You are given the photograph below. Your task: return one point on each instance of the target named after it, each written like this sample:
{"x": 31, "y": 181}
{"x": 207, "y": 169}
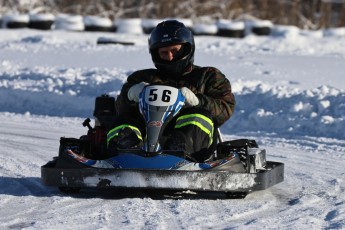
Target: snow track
{"x": 312, "y": 194}
{"x": 290, "y": 98}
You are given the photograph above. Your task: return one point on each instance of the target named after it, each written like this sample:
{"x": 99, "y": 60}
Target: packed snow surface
{"x": 290, "y": 92}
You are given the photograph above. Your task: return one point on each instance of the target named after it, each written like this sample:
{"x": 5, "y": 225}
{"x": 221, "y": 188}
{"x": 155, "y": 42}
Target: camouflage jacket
{"x": 211, "y": 87}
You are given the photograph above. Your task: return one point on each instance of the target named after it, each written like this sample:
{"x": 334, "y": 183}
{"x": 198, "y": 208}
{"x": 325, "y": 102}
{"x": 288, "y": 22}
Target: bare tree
{"x": 302, "y": 13}
{"x": 341, "y": 22}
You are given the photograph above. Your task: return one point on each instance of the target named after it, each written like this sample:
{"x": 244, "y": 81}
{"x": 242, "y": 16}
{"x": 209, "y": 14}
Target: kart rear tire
{"x": 69, "y": 190}
{"x": 236, "y": 195}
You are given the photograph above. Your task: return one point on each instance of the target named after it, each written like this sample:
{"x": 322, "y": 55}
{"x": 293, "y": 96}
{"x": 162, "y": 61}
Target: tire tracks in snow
{"x": 312, "y": 194}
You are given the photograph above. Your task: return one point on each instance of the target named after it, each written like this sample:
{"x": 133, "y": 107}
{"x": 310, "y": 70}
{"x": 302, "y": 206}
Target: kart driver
{"x": 209, "y": 101}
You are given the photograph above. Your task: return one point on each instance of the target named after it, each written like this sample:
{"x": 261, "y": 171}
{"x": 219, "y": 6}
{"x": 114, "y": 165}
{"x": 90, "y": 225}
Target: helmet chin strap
{"x": 172, "y": 73}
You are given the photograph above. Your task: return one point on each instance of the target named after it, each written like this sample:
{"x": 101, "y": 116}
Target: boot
{"x": 128, "y": 139}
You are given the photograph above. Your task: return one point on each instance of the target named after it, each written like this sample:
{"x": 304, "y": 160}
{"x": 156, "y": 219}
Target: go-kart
{"x": 236, "y": 167}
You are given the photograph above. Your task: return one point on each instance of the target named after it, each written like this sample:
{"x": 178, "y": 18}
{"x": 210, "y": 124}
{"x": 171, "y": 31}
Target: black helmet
{"x": 167, "y": 33}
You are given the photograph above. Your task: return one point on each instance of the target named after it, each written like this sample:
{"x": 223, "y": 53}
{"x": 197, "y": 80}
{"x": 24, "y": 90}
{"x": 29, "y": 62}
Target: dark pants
{"x": 193, "y": 130}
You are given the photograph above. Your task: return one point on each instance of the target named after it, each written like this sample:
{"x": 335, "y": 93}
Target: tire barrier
{"x": 221, "y": 27}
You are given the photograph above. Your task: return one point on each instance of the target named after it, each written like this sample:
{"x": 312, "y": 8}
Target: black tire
{"x": 69, "y": 190}
{"x": 236, "y": 195}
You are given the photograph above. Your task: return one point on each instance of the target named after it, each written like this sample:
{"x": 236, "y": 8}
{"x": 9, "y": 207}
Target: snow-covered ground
{"x": 290, "y": 93}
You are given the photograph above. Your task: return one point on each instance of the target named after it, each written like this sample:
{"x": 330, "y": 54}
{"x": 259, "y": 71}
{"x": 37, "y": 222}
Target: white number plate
{"x": 160, "y": 95}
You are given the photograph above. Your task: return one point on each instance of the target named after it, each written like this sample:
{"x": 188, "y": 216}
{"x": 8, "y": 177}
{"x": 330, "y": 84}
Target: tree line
{"x": 306, "y": 14}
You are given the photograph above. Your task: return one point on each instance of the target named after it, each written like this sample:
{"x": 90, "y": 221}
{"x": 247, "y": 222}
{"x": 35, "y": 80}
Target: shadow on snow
{"x": 32, "y": 186}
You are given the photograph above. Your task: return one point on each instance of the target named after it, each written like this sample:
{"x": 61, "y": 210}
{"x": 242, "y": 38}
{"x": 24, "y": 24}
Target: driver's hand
{"x": 135, "y": 90}
{"x": 191, "y": 98}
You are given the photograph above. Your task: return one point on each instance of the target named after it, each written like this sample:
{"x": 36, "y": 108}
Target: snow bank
{"x": 335, "y": 32}
{"x": 279, "y": 109}
{"x": 260, "y": 107}
{"x": 67, "y": 72}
